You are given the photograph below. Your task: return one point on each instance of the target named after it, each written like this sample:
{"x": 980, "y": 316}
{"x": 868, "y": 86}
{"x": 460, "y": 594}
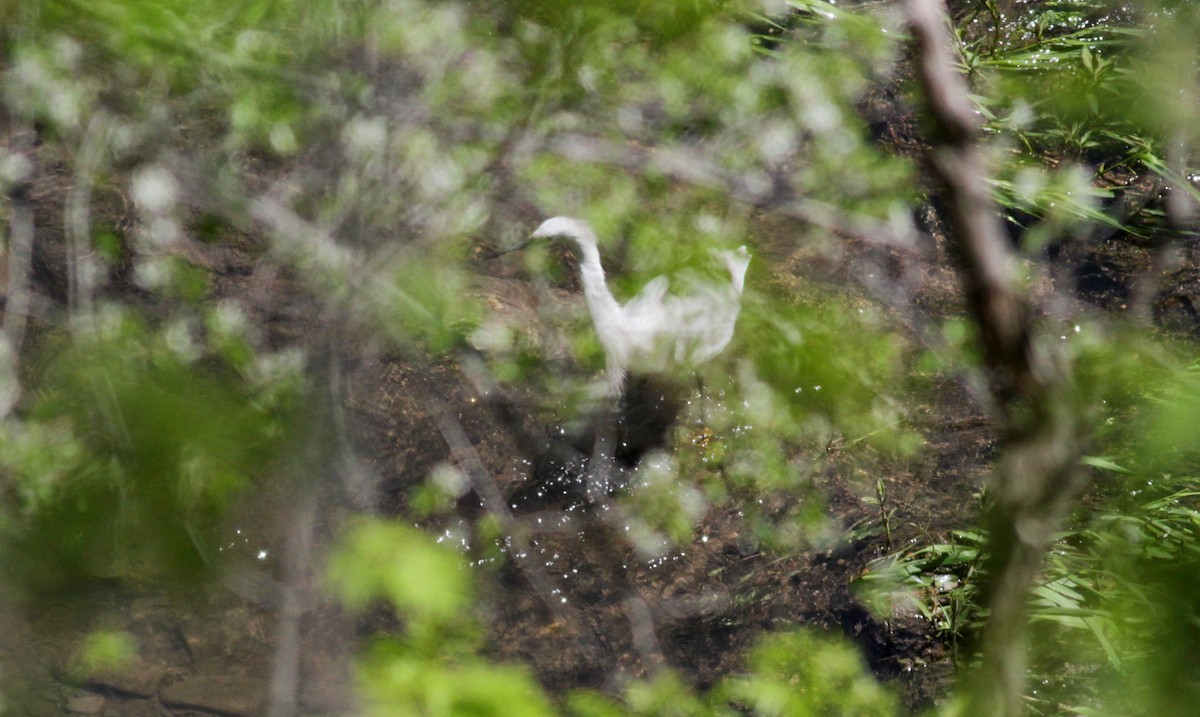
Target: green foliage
{"x": 663, "y": 509}
{"x": 104, "y": 651}
{"x": 429, "y": 670}
{"x": 249, "y": 56}
{"x": 1102, "y": 83}
{"x": 1115, "y": 597}
{"x": 796, "y": 674}
{"x": 395, "y": 682}
{"x": 832, "y": 362}
{"x": 800, "y": 674}
{"x": 1060, "y": 200}
{"x": 940, "y": 581}
{"x": 665, "y": 695}
{"x": 130, "y": 452}
{"x": 1078, "y": 49}
{"x": 1120, "y": 589}
{"x": 425, "y": 301}
{"x": 383, "y": 561}
{"x": 1165, "y": 438}
{"x": 378, "y": 143}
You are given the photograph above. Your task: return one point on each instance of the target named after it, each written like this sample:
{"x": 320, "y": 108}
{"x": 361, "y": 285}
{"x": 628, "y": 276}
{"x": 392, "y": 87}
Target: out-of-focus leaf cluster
{"x": 132, "y": 441}
{"x": 1116, "y": 595}
{"x": 376, "y": 142}
{"x": 422, "y": 671}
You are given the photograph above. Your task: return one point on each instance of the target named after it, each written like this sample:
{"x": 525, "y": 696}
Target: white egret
{"x": 653, "y": 329}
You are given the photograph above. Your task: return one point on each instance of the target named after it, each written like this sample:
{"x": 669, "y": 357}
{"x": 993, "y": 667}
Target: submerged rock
{"x": 86, "y": 704}
{"x": 235, "y": 695}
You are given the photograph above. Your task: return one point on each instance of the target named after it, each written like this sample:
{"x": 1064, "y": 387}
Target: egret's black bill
{"x": 510, "y": 250}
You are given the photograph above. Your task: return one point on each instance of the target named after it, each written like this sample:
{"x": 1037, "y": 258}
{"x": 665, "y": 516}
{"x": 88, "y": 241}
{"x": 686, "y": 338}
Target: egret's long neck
{"x": 600, "y": 300}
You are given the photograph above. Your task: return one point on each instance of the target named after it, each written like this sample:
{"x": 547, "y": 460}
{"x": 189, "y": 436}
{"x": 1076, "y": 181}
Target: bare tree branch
{"x": 294, "y": 602}
{"x": 1037, "y": 478}
{"x": 81, "y": 262}
{"x": 20, "y": 259}
{"x": 643, "y": 632}
{"x": 496, "y": 506}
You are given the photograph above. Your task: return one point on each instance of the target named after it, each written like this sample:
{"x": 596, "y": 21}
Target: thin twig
{"x": 293, "y": 602}
{"x": 81, "y": 264}
{"x": 480, "y": 378}
{"x": 310, "y": 462}
{"x": 496, "y": 506}
{"x": 357, "y": 480}
{"x": 20, "y": 259}
{"x": 642, "y": 631}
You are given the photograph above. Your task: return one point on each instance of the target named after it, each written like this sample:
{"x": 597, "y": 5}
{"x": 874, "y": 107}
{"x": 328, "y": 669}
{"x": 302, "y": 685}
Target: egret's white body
{"x": 653, "y": 329}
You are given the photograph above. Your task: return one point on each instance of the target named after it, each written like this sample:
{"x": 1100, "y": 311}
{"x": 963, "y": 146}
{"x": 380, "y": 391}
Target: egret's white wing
{"x": 702, "y": 323}
{"x": 644, "y": 318}
{"x": 649, "y": 299}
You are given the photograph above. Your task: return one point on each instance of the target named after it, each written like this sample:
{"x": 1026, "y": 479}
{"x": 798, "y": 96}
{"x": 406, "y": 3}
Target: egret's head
{"x": 556, "y": 228}
{"x": 562, "y": 228}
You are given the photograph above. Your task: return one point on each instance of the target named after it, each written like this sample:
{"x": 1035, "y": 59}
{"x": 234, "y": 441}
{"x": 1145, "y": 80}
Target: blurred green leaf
{"x": 128, "y": 457}
{"x": 425, "y": 298}
{"x": 800, "y": 674}
{"x": 383, "y": 561}
{"x": 104, "y": 651}
{"x": 395, "y": 683}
